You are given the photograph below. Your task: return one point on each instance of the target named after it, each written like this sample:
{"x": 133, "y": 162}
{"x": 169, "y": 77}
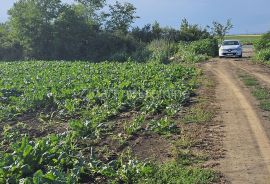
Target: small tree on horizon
{"x": 219, "y": 30}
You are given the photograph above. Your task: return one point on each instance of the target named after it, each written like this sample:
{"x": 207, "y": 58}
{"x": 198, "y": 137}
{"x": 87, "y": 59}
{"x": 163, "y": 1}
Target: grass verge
{"x": 262, "y": 94}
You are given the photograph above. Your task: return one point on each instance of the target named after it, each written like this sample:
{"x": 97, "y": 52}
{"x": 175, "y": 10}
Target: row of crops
{"x": 82, "y": 102}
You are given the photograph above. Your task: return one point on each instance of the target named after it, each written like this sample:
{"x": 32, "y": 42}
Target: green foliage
{"x": 188, "y": 158}
{"x": 205, "y": 46}
{"x": 161, "y": 50}
{"x": 173, "y": 173}
{"x": 126, "y": 169}
{"x": 262, "y": 48}
{"x": 163, "y": 126}
{"x": 90, "y": 9}
{"x": 185, "y": 55}
{"x": 96, "y": 91}
{"x": 197, "y": 115}
{"x": 197, "y": 51}
{"x": 152, "y": 32}
{"x": 249, "y": 80}
{"x": 263, "y": 55}
{"x": 156, "y": 30}
{"x": 263, "y": 42}
{"x": 55, "y": 159}
{"x": 133, "y": 126}
{"x": 88, "y": 95}
{"x": 261, "y": 93}
{"x": 30, "y": 23}
{"x": 8, "y": 45}
{"x": 50, "y": 159}
{"x": 69, "y": 27}
{"x": 121, "y": 16}
{"x": 220, "y": 30}
{"x": 53, "y": 30}
{"x": 143, "y": 34}
{"x": 192, "y": 32}
{"x": 265, "y": 105}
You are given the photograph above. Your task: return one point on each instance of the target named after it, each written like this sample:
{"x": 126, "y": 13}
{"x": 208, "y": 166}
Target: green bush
{"x": 191, "y": 32}
{"x": 206, "y": 46}
{"x": 197, "y": 51}
{"x": 141, "y": 55}
{"x": 161, "y": 50}
{"x": 172, "y": 173}
{"x": 263, "y": 42}
{"x": 120, "y": 56}
{"x": 263, "y": 55}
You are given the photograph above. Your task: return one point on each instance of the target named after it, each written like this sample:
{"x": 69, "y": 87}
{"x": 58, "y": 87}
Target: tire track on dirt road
{"x": 247, "y": 146}
{"x": 253, "y": 70}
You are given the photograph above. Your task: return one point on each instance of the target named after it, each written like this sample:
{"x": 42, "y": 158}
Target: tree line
{"x": 85, "y": 30}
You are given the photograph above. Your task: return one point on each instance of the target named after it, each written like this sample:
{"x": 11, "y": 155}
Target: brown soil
{"x": 32, "y": 125}
{"x": 247, "y": 145}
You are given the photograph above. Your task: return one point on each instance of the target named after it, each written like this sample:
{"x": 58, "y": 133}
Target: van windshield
{"x": 230, "y": 43}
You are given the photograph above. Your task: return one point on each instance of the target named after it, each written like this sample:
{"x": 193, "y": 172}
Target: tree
{"x": 90, "y": 9}
{"x": 156, "y": 30}
{"x": 32, "y": 24}
{"x": 10, "y": 49}
{"x": 171, "y": 34}
{"x": 121, "y": 16}
{"x": 144, "y": 34}
{"x": 192, "y": 32}
{"x": 95, "y": 4}
{"x": 71, "y": 35}
{"x": 219, "y": 30}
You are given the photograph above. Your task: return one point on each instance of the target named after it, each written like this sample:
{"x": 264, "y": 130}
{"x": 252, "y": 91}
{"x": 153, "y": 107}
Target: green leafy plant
{"x": 51, "y": 159}
{"x": 133, "y": 126}
{"x": 163, "y": 126}
{"x": 85, "y": 98}
{"x": 263, "y": 55}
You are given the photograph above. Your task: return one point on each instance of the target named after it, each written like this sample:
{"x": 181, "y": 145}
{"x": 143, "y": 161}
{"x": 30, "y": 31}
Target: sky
{"x": 248, "y": 16}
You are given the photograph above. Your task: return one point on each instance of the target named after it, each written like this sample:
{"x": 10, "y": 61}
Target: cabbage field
{"x": 72, "y": 122}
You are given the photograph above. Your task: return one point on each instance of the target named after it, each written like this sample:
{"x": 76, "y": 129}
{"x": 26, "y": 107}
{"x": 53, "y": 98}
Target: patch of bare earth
{"x": 31, "y": 124}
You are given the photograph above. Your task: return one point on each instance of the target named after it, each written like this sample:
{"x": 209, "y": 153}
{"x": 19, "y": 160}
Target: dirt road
{"x": 247, "y": 128}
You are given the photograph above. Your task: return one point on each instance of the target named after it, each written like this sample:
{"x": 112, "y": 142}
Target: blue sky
{"x": 248, "y": 16}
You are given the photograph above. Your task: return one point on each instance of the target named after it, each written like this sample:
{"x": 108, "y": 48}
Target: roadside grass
{"x": 262, "y": 94}
{"x": 249, "y": 81}
{"x": 185, "y": 142}
{"x": 201, "y": 112}
{"x": 189, "y": 158}
{"x": 209, "y": 83}
{"x": 244, "y": 39}
{"x": 197, "y": 115}
{"x": 172, "y": 173}
{"x": 255, "y": 60}
{"x": 265, "y": 105}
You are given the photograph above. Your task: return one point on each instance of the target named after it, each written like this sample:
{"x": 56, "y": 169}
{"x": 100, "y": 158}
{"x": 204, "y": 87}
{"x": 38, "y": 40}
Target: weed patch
{"x": 260, "y": 93}
{"x": 265, "y": 105}
{"x": 172, "y": 173}
{"x": 197, "y": 115}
